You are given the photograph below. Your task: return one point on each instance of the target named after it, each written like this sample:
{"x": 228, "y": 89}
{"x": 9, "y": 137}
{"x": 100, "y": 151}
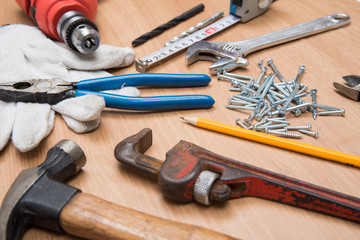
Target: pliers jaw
{"x": 351, "y": 89}
{"x": 36, "y": 91}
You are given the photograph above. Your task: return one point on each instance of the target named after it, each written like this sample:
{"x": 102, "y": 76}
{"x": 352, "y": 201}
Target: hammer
{"x": 191, "y": 173}
{"x": 39, "y": 198}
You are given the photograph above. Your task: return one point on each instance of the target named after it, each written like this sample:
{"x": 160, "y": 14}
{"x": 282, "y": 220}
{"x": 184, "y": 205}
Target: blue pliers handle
{"x": 144, "y": 80}
{"x": 156, "y": 103}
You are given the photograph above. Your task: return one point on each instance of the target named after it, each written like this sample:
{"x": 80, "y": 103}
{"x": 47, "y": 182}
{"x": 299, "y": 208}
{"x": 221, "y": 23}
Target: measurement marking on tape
{"x": 145, "y": 62}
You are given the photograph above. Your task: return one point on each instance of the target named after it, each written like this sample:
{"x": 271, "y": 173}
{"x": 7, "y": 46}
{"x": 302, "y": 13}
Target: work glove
{"x": 26, "y": 53}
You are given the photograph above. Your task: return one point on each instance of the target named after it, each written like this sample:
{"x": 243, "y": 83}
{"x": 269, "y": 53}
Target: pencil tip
{"x": 182, "y": 118}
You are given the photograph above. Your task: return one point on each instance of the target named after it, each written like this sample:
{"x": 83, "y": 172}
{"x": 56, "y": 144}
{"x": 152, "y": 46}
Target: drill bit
{"x": 195, "y": 28}
{"x": 160, "y": 29}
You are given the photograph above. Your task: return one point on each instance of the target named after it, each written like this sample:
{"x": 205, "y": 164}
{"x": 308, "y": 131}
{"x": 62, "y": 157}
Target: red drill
{"x": 66, "y": 20}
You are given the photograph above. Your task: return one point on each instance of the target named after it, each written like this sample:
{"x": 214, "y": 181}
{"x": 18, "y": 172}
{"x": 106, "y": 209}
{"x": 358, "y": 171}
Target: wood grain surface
{"x": 327, "y": 56}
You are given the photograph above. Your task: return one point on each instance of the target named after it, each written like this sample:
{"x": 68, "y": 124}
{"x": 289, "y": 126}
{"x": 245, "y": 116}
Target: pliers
{"x": 352, "y": 89}
{"x": 52, "y": 91}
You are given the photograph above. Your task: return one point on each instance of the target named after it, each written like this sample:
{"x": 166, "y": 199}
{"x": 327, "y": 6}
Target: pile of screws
{"x": 270, "y": 101}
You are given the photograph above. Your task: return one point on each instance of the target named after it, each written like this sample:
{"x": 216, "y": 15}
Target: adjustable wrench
{"x": 192, "y": 173}
{"x": 230, "y": 55}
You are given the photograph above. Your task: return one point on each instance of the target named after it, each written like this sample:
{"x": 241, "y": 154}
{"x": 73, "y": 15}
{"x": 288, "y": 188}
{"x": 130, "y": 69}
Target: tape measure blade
{"x": 143, "y": 63}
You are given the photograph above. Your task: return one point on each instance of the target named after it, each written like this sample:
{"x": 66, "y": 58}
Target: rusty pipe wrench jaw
{"x": 174, "y": 179}
{"x": 186, "y": 175}
{"x": 208, "y": 189}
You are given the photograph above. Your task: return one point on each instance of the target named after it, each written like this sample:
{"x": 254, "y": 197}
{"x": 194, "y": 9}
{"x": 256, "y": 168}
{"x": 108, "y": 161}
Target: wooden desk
{"x": 327, "y": 57}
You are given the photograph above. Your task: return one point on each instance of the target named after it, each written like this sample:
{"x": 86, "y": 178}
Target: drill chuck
{"x": 78, "y": 32}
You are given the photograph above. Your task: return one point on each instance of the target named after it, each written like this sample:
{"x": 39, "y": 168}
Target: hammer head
{"x": 37, "y": 195}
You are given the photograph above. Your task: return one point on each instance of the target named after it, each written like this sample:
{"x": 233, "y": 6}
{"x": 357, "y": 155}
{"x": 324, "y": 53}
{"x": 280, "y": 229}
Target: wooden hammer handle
{"x": 90, "y": 217}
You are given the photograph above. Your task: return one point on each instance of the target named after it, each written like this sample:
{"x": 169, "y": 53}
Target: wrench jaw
{"x": 208, "y": 51}
{"x": 224, "y": 58}
{"x": 202, "y": 50}
{"x": 182, "y": 177}
{"x": 227, "y": 64}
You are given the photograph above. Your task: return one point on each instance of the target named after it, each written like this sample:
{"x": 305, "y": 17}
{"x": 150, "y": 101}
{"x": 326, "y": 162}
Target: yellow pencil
{"x": 275, "y": 141}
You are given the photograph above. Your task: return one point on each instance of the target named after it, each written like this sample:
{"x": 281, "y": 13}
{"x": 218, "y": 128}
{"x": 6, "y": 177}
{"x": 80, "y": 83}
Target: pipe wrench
{"x": 191, "y": 173}
{"x": 231, "y": 55}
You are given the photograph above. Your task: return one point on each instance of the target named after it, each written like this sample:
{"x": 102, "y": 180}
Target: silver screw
{"x": 224, "y": 77}
{"x": 276, "y": 113}
{"x": 308, "y": 127}
{"x": 238, "y": 122}
{"x": 328, "y": 108}
{"x": 271, "y": 64}
{"x": 262, "y": 86}
{"x": 275, "y": 119}
{"x": 237, "y": 76}
{"x": 273, "y": 67}
{"x": 304, "y": 88}
{"x": 284, "y": 134}
{"x": 301, "y": 71}
{"x": 262, "y": 73}
{"x": 248, "y": 99}
{"x": 240, "y": 107}
{"x": 313, "y": 98}
{"x": 298, "y": 106}
{"x": 298, "y": 112}
{"x": 313, "y": 134}
{"x": 278, "y": 121}
{"x": 263, "y": 113}
{"x": 291, "y": 97}
{"x": 267, "y": 86}
{"x": 283, "y": 91}
{"x": 237, "y": 102}
{"x": 340, "y": 112}
{"x": 261, "y": 122}
{"x": 272, "y": 126}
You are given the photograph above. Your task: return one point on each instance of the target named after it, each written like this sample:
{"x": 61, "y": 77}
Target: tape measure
{"x": 143, "y": 63}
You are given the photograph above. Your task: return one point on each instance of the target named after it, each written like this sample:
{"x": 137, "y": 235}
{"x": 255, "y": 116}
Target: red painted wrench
{"x": 66, "y": 20}
{"x": 193, "y": 173}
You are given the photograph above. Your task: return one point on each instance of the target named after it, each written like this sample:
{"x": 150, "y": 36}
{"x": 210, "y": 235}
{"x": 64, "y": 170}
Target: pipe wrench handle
{"x": 185, "y": 164}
